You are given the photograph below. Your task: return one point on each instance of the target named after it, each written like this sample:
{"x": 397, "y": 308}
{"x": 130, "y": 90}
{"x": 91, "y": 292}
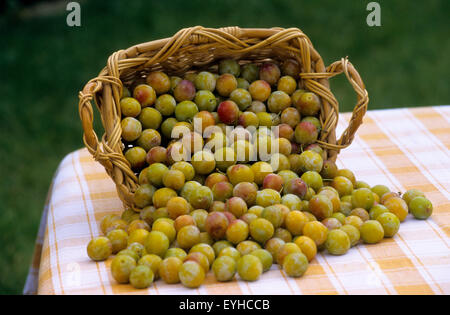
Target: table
{"x": 401, "y": 148}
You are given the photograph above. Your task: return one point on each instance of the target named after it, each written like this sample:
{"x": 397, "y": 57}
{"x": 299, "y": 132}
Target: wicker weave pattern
{"x": 199, "y": 48}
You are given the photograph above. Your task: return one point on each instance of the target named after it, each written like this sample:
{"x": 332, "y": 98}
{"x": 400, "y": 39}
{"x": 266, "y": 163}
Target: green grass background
{"x": 44, "y": 63}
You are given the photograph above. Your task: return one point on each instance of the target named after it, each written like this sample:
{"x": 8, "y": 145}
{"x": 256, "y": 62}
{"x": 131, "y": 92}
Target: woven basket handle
{"x": 345, "y": 66}
{"x": 108, "y": 153}
{"x": 86, "y": 114}
{"x": 97, "y": 148}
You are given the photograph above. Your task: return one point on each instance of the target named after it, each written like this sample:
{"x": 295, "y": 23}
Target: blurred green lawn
{"x": 44, "y": 63}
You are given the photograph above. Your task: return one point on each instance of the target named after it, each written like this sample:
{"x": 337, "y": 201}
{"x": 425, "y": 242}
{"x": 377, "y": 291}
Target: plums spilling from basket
{"x": 231, "y": 179}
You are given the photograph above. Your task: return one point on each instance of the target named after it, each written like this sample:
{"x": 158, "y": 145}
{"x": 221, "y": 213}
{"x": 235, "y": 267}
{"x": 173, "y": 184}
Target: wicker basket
{"x": 200, "y": 48}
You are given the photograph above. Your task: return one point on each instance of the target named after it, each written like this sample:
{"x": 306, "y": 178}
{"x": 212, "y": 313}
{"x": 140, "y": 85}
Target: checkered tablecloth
{"x": 402, "y": 148}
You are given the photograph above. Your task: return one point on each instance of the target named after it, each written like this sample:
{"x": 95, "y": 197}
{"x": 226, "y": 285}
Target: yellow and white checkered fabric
{"x": 401, "y": 148}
